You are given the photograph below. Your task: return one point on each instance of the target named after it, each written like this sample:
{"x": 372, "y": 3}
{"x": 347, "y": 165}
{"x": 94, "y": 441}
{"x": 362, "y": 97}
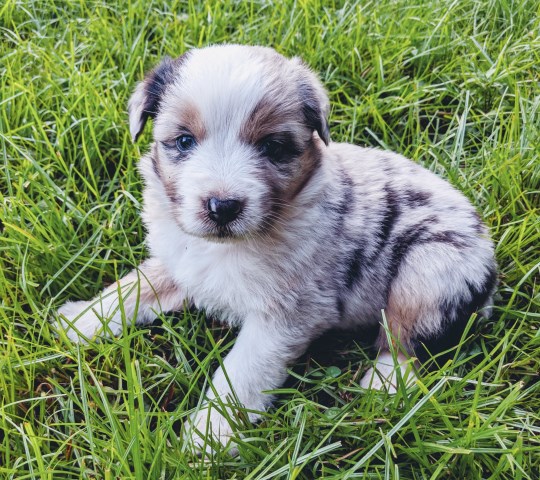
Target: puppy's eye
{"x": 272, "y": 149}
{"x": 185, "y": 143}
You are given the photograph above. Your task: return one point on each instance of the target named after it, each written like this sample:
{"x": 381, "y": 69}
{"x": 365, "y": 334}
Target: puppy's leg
{"x": 431, "y": 300}
{"x": 384, "y": 375}
{"x": 257, "y": 362}
{"x": 139, "y": 295}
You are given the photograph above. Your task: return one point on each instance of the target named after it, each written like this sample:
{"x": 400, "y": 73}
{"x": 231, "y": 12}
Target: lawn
{"x": 453, "y": 85}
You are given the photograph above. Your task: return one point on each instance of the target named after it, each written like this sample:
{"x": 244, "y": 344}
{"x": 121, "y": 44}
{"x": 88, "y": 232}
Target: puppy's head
{"x": 238, "y": 134}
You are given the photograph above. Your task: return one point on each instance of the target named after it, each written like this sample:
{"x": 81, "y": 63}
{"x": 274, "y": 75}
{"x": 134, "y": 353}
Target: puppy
{"x": 256, "y": 217}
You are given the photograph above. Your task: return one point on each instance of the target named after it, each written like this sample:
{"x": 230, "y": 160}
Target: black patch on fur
{"x": 348, "y": 197}
{"x": 387, "y": 166}
{"x": 416, "y": 198}
{"x": 155, "y": 83}
{"x": 340, "y": 306}
{"x": 449, "y": 237}
{"x": 338, "y": 210}
{"x": 347, "y": 200}
{"x": 417, "y": 235}
{"x": 390, "y": 215}
{"x": 413, "y": 236}
{"x": 478, "y": 224}
{"x": 313, "y": 112}
{"x": 354, "y": 269}
{"x": 456, "y": 313}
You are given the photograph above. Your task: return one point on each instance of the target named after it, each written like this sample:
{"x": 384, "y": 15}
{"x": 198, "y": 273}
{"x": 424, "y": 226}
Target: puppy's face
{"x": 234, "y": 136}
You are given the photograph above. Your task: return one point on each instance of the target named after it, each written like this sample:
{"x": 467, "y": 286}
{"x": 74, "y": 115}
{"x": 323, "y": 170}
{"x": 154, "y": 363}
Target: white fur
{"x": 284, "y": 280}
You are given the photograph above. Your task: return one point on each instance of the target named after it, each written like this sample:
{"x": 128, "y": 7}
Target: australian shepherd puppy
{"x": 255, "y": 216}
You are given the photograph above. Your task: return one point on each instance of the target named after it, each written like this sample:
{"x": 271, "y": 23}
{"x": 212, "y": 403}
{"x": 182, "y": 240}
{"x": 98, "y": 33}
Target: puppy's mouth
{"x": 207, "y": 229}
{"x": 224, "y": 233}
{"x": 223, "y": 236}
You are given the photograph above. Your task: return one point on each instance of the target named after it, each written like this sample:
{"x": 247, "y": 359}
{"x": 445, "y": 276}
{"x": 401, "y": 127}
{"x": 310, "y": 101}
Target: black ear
{"x": 315, "y": 107}
{"x": 314, "y": 100}
{"x": 145, "y": 100}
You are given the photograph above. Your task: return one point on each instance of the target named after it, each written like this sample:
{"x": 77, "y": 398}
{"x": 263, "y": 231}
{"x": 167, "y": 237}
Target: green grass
{"x": 452, "y": 85}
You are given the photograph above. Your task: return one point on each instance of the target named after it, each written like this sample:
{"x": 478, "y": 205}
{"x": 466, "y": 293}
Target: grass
{"x": 453, "y": 85}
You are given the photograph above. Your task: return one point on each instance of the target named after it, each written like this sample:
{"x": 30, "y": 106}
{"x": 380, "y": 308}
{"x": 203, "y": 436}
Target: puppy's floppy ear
{"x": 315, "y": 104}
{"x": 144, "y": 101}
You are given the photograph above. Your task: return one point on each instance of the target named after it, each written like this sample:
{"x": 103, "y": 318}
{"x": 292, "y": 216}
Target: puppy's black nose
{"x": 223, "y": 211}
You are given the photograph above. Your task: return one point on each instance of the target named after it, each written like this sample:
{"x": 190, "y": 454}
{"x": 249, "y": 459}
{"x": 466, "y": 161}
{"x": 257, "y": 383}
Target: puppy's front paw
{"x": 206, "y": 427}
{"x": 79, "y": 320}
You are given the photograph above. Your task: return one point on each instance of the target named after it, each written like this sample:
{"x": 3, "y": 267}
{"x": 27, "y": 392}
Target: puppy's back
{"x": 417, "y": 248}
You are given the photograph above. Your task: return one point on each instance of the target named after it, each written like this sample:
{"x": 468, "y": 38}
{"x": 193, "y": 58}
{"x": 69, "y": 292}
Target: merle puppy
{"x": 254, "y": 215}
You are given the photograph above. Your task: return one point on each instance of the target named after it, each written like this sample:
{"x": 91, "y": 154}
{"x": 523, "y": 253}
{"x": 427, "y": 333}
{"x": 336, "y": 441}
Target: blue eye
{"x": 185, "y": 143}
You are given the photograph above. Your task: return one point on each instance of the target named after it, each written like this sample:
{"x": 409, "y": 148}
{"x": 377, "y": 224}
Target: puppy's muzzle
{"x": 223, "y": 212}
